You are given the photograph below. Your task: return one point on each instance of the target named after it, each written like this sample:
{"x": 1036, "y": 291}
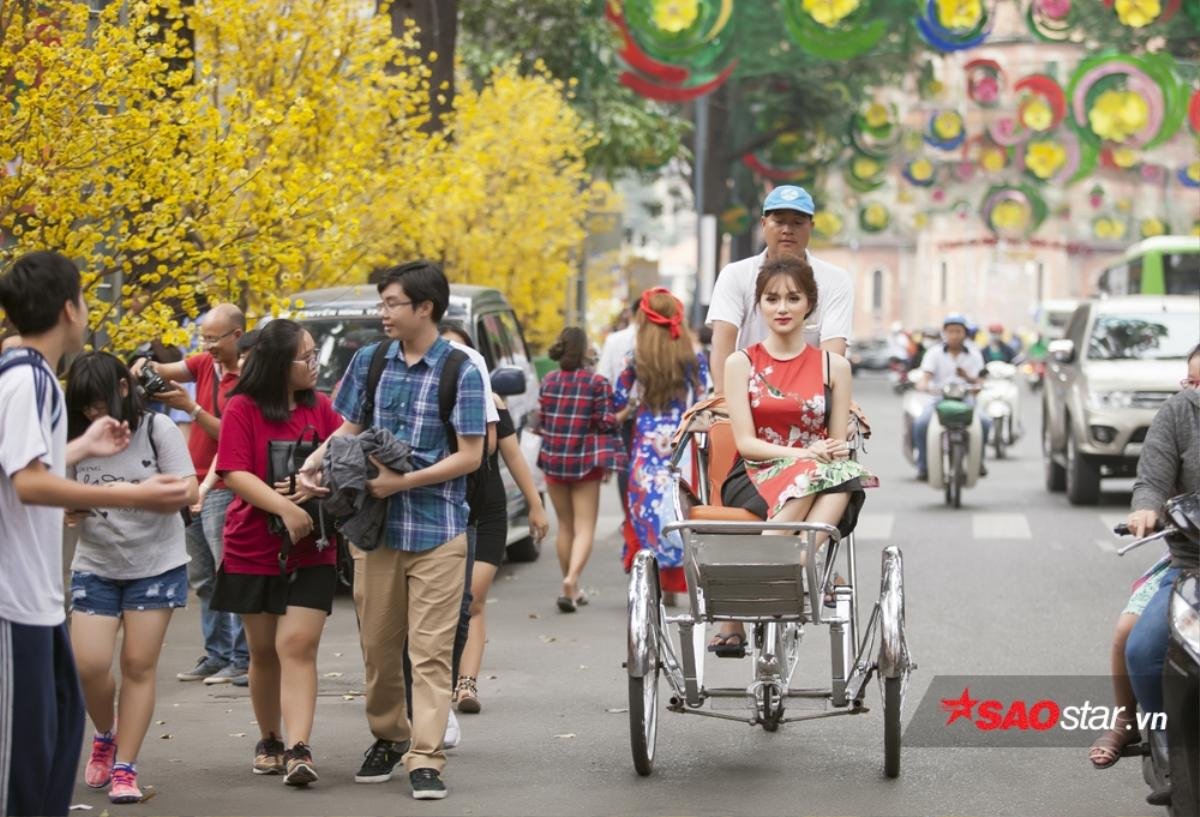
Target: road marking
{"x": 1000, "y": 526}
{"x": 1106, "y": 545}
{"x": 875, "y": 526}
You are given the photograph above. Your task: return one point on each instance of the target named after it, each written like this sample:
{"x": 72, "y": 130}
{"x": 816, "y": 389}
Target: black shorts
{"x": 249, "y": 593}
{"x": 738, "y": 491}
{"x": 491, "y": 533}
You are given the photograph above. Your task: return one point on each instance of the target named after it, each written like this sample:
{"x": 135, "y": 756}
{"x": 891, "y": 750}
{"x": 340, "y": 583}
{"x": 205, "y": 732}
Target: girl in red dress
{"x": 789, "y": 407}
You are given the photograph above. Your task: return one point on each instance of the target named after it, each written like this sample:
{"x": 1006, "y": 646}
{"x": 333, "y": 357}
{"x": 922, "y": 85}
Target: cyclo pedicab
{"x": 774, "y": 584}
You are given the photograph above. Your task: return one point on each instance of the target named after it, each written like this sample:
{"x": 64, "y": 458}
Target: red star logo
{"x": 959, "y": 707}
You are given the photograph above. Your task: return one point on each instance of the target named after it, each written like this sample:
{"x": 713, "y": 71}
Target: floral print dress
{"x": 788, "y": 405}
{"x": 650, "y": 495}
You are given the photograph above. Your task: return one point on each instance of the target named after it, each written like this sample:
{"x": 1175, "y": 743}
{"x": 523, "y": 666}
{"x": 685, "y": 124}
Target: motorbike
{"x": 898, "y": 375}
{"x": 1000, "y": 399}
{"x": 1035, "y": 373}
{"x": 954, "y": 444}
{"x": 1171, "y": 756}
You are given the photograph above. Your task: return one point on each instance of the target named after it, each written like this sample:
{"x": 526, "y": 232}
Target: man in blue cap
{"x": 787, "y": 221}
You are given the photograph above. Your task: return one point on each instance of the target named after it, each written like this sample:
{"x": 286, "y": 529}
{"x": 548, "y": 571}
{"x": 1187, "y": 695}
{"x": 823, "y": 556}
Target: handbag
{"x": 284, "y": 460}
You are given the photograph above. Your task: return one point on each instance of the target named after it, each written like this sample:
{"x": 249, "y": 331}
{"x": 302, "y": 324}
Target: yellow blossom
{"x": 1045, "y": 159}
{"x": 865, "y": 167}
{"x": 959, "y": 14}
{"x": 1138, "y": 13}
{"x": 1124, "y": 158}
{"x": 1010, "y": 216}
{"x": 830, "y": 12}
{"x": 1108, "y": 229}
{"x": 1117, "y": 115}
{"x": 1151, "y": 227}
{"x": 876, "y": 215}
{"x": 947, "y": 125}
{"x": 993, "y": 159}
{"x": 674, "y": 16}
{"x": 1037, "y": 115}
{"x": 921, "y": 169}
{"x": 877, "y": 115}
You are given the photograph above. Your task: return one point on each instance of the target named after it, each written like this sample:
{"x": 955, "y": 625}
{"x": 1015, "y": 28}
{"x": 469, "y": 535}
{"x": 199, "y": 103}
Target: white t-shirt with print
{"x": 491, "y": 414}
{"x": 31, "y": 588}
{"x": 614, "y": 355}
{"x": 944, "y": 366}
{"x": 733, "y": 302}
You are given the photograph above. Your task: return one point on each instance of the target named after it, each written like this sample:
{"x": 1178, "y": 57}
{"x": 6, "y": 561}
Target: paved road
{"x": 1015, "y": 582}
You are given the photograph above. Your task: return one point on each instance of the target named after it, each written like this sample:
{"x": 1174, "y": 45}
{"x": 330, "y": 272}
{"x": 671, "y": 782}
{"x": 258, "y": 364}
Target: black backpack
{"x": 447, "y": 393}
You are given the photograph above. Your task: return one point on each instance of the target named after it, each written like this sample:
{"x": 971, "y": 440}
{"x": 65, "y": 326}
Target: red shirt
{"x": 201, "y": 446}
{"x": 250, "y": 547}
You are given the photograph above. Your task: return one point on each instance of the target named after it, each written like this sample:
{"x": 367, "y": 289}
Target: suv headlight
{"x": 1101, "y": 400}
{"x": 1185, "y": 618}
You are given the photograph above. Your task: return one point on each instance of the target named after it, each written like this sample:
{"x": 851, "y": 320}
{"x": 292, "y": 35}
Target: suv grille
{"x": 1149, "y": 399}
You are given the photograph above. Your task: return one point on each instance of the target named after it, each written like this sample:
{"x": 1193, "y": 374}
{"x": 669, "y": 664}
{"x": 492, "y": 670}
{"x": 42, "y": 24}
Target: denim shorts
{"x": 98, "y": 596}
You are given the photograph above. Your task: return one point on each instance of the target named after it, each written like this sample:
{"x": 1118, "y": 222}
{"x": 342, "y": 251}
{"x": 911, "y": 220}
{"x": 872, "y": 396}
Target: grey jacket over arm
{"x": 361, "y": 518}
{"x": 1170, "y": 461}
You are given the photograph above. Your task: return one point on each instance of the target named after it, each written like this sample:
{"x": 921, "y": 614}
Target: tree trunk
{"x": 437, "y": 21}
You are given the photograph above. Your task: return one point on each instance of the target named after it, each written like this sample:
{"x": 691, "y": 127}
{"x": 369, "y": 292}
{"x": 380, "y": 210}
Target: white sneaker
{"x": 453, "y": 733}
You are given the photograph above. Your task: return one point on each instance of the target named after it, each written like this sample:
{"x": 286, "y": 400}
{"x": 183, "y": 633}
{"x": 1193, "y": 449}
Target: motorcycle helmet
{"x": 996, "y": 328}
{"x": 955, "y": 318}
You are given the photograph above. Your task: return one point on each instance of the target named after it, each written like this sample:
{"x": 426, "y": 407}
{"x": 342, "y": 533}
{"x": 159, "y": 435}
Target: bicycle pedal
{"x": 1136, "y": 750}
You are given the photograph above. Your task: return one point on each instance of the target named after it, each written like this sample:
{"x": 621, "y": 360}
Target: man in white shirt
{"x": 614, "y": 357}
{"x": 734, "y": 316}
{"x": 953, "y": 361}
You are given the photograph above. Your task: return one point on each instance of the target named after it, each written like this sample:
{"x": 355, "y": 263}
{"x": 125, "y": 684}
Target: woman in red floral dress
{"x": 789, "y": 407}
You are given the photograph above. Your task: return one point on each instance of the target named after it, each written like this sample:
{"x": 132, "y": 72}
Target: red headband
{"x": 672, "y": 322}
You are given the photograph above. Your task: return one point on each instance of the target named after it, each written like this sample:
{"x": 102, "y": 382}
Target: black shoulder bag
{"x": 284, "y": 460}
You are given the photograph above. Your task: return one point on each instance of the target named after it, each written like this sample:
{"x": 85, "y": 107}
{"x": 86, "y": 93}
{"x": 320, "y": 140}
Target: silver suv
{"x": 1118, "y": 361}
{"x": 342, "y": 320}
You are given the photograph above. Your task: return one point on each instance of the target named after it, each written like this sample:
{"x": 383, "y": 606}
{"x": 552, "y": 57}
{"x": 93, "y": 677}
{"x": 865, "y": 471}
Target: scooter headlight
{"x": 1185, "y": 614}
{"x": 997, "y": 409}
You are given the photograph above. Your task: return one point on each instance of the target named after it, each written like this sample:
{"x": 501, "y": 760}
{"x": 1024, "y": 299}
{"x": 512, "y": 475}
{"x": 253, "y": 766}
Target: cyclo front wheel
{"x": 643, "y": 661}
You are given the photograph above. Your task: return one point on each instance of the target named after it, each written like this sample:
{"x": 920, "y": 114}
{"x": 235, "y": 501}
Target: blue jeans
{"x": 921, "y": 426}
{"x": 224, "y": 636}
{"x": 1146, "y": 649}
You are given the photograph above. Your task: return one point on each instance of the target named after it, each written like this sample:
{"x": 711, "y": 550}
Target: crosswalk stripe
{"x": 1000, "y": 526}
{"x": 875, "y": 526}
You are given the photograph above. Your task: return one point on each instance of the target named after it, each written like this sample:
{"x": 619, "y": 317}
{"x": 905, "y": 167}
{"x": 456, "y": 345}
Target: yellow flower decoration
{"x": 1124, "y": 205}
{"x": 947, "y": 125}
{"x": 1037, "y": 115}
{"x": 1044, "y": 159}
{"x": 1124, "y": 158}
{"x": 1010, "y": 216}
{"x": 1138, "y": 13}
{"x": 1193, "y": 171}
{"x": 1117, "y": 115}
{"x": 1152, "y": 226}
{"x": 830, "y": 12}
{"x": 920, "y": 221}
{"x": 865, "y": 167}
{"x": 993, "y": 160}
{"x": 1109, "y": 229}
{"x": 674, "y": 16}
{"x": 876, "y": 215}
{"x": 921, "y": 170}
{"x": 877, "y": 115}
{"x": 827, "y": 224}
{"x": 959, "y": 14}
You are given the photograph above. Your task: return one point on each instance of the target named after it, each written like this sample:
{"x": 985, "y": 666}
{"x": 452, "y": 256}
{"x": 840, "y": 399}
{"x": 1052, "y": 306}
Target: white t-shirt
{"x": 31, "y": 589}
{"x": 944, "y": 366}
{"x": 733, "y": 302}
{"x": 490, "y": 412}
{"x": 615, "y": 353}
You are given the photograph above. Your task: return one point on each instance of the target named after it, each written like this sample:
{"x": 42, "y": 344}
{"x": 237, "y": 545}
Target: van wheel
{"x": 1056, "y": 475}
{"x": 1083, "y": 478}
{"x": 523, "y": 550}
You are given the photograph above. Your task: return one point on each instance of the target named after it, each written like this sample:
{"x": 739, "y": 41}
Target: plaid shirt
{"x": 406, "y": 404}
{"x": 577, "y": 425}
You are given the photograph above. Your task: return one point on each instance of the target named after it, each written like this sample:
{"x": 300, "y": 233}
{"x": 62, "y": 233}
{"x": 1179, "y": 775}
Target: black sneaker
{"x": 270, "y": 756}
{"x": 300, "y": 768}
{"x": 427, "y": 784}
{"x": 380, "y": 761}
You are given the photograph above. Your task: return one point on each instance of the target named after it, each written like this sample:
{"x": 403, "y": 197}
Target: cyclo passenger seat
{"x": 720, "y": 455}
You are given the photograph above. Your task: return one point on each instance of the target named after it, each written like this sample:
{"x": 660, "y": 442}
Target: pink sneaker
{"x": 124, "y": 787}
{"x": 99, "y": 768}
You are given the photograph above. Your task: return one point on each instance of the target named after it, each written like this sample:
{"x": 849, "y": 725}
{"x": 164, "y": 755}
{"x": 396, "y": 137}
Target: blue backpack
{"x": 43, "y": 380}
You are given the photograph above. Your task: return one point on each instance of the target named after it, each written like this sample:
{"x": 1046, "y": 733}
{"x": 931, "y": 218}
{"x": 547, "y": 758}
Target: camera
{"x": 151, "y": 382}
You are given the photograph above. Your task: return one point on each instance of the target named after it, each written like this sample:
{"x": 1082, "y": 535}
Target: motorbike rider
{"x": 948, "y": 362}
{"x": 997, "y": 349}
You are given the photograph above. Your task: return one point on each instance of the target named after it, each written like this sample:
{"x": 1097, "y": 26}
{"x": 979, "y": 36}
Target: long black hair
{"x": 265, "y": 376}
{"x": 95, "y": 377}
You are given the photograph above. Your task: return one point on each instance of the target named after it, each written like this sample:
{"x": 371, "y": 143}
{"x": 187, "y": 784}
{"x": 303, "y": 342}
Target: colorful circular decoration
{"x": 1043, "y": 104}
{"x": 1108, "y": 228}
{"x": 874, "y": 217}
{"x": 1044, "y": 158}
{"x": 985, "y": 82}
{"x": 827, "y": 224}
{"x": 875, "y": 129}
{"x": 1006, "y": 131}
{"x": 1053, "y": 20}
{"x": 1193, "y": 114}
{"x": 1141, "y": 13}
{"x": 1152, "y": 226}
{"x": 1189, "y": 176}
{"x": 833, "y": 29}
{"x": 864, "y": 173}
{"x": 919, "y": 171}
{"x": 945, "y": 130}
{"x": 1125, "y": 99}
{"x": 953, "y": 25}
{"x": 1013, "y": 211}
{"x": 672, "y": 46}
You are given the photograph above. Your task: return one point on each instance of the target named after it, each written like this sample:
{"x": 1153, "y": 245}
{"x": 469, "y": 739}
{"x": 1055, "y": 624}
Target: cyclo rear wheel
{"x": 643, "y": 661}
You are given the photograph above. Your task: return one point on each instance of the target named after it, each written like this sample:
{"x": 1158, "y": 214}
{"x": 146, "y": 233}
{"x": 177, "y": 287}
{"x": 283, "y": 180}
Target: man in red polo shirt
{"x": 214, "y": 371}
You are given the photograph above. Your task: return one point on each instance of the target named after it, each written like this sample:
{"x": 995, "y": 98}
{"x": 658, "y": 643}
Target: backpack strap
{"x": 448, "y": 394}
{"x": 148, "y": 417}
{"x": 374, "y": 375}
{"x": 42, "y": 379}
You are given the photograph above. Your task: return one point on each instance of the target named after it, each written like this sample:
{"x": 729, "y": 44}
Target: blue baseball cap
{"x": 789, "y": 197}
{"x": 953, "y": 318}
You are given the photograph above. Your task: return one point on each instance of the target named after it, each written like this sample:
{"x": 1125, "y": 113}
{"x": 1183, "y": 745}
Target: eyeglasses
{"x": 309, "y": 360}
{"x": 214, "y": 341}
{"x": 391, "y": 306}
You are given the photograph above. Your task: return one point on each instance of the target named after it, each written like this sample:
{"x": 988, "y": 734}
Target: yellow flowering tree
{"x": 288, "y": 151}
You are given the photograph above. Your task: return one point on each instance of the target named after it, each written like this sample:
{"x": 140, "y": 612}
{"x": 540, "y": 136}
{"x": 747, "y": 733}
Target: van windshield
{"x": 1159, "y": 336}
{"x": 336, "y": 342}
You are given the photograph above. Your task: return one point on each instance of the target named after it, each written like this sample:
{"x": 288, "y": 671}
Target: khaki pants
{"x": 418, "y": 596}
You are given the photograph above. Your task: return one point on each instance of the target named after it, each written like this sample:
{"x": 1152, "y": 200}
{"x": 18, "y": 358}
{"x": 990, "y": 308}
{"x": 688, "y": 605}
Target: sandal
{"x": 1109, "y": 747}
{"x": 721, "y": 647}
{"x": 466, "y": 695}
{"x": 566, "y": 604}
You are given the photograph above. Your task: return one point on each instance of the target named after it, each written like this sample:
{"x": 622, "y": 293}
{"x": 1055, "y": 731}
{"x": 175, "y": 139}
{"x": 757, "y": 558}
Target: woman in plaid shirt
{"x": 579, "y": 444}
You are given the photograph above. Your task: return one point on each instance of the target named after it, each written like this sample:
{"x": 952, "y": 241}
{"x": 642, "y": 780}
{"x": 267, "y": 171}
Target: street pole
{"x": 698, "y": 179}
